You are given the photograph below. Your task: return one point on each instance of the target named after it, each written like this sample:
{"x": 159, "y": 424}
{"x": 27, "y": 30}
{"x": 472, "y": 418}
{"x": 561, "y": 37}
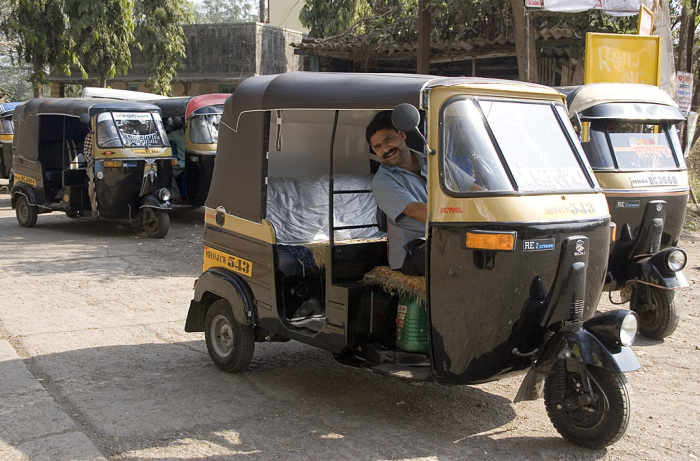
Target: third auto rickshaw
{"x": 132, "y": 161}
{"x": 513, "y": 270}
{"x": 628, "y": 133}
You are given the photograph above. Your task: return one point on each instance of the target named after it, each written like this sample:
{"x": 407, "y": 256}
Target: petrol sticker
{"x": 27, "y": 179}
{"x": 538, "y": 245}
{"x": 627, "y": 204}
{"x": 214, "y": 257}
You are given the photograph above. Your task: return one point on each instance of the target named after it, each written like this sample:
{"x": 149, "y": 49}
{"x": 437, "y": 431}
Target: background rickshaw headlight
{"x": 618, "y": 327}
{"x": 164, "y": 194}
{"x": 675, "y": 260}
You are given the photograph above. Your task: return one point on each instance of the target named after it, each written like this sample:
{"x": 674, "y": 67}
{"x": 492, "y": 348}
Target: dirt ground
{"x": 95, "y": 310}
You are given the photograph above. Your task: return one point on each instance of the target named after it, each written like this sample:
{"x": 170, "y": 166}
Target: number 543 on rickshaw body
{"x": 514, "y": 270}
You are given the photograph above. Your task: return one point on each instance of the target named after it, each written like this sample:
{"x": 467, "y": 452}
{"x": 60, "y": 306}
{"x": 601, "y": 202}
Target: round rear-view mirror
{"x": 405, "y": 117}
{"x": 85, "y": 118}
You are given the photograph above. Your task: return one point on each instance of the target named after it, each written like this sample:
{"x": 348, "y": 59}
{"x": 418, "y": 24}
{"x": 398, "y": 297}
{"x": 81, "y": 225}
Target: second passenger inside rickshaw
{"x": 400, "y": 189}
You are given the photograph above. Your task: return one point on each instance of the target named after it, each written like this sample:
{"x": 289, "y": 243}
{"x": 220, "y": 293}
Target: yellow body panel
{"x": 216, "y": 258}
{"x": 125, "y": 152}
{"x": 260, "y": 231}
{"x": 26, "y": 179}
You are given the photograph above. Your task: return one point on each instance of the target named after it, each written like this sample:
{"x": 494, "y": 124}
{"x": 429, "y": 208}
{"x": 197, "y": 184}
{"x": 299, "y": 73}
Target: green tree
{"x": 159, "y": 35}
{"x": 103, "y": 31}
{"x": 39, "y": 36}
{"x": 326, "y": 18}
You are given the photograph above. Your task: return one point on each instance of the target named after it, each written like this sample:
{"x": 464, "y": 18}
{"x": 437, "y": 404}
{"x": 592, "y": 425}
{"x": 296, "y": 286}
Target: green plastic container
{"x": 411, "y": 325}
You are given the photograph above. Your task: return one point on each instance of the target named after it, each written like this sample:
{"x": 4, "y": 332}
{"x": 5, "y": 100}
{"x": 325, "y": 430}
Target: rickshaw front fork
{"x": 585, "y": 396}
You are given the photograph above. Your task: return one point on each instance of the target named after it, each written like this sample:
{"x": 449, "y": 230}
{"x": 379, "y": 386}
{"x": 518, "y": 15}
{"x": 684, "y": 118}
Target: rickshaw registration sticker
{"x": 236, "y": 264}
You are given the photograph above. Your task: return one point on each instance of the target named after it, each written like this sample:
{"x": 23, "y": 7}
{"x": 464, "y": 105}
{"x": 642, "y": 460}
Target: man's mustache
{"x": 386, "y": 154}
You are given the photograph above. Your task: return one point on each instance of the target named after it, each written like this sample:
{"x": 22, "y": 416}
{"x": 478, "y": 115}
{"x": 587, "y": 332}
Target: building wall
{"x": 219, "y": 56}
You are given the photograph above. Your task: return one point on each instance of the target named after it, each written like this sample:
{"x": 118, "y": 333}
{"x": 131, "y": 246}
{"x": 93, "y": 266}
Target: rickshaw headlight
{"x": 164, "y": 194}
{"x": 628, "y": 329}
{"x": 618, "y": 327}
{"x": 675, "y": 260}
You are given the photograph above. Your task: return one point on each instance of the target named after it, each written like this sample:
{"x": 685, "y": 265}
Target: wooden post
{"x": 525, "y": 47}
{"x": 423, "y": 57}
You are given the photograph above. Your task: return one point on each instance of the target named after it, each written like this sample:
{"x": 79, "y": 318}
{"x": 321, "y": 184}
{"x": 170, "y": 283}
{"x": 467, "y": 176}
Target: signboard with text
{"x": 623, "y": 58}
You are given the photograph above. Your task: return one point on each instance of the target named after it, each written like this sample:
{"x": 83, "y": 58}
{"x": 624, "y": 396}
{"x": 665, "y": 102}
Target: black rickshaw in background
{"x": 629, "y": 136}
{"x": 198, "y": 118}
{"x": 6, "y": 135}
{"x": 132, "y": 161}
{"x": 514, "y": 272}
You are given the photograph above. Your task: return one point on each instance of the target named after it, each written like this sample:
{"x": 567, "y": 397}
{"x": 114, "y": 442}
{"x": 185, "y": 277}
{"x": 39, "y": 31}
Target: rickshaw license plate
{"x": 214, "y": 257}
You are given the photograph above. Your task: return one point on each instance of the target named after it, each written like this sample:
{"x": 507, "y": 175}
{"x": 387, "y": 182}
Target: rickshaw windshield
{"x": 130, "y": 129}
{"x": 6, "y": 126}
{"x": 635, "y": 145}
{"x": 539, "y": 156}
{"x": 204, "y": 128}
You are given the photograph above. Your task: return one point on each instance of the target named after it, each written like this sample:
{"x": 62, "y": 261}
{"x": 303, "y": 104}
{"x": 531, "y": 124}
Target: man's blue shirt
{"x": 394, "y": 189}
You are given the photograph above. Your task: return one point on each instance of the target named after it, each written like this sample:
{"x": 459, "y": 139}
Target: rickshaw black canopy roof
{"x": 632, "y": 111}
{"x": 173, "y": 107}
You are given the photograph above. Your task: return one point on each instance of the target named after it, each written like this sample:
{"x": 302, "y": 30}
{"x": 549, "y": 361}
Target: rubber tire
{"x": 158, "y": 226}
{"x": 26, "y": 213}
{"x": 662, "y": 319}
{"x": 230, "y": 344}
{"x": 577, "y": 426}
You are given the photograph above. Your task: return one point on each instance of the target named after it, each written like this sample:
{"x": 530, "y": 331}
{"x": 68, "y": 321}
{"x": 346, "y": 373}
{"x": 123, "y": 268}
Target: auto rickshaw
{"x": 293, "y": 249}
{"x": 6, "y": 134}
{"x": 628, "y": 134}
{"x": 198, "y": 117}
{"x": 132, "y": 161}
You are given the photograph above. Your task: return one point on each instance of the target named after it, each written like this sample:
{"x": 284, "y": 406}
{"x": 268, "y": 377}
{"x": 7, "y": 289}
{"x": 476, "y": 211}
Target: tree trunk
{"x": 423, "y": 57}
{"x": 263, "y": 12}
{"x": 36, "y": 78}
{"x": 686, "y": 38}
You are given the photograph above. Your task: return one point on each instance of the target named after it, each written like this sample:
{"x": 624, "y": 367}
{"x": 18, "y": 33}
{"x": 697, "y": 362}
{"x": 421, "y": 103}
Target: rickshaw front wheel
{"x": 26, "y": 213}
{"x": 230, "y": 344}
{"x": 591, "y": 419}
{"x": 656, "y": 308}
{"x": 156, "y": 223}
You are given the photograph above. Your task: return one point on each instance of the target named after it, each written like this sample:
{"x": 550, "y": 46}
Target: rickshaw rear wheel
{"x": 26, "y": 213}
{"x": 592, "y": 419}
{"x": 230, "y": 344}
{"x": 156, "y": 223}
{"x": 656, "y": 308}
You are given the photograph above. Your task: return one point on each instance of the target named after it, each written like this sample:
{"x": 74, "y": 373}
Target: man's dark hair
{"x": 381, "y": 121}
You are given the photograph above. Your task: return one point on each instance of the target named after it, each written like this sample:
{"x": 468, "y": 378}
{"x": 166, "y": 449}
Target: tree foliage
{"x": 103, "y": 31}
{"x": 225, "y": 11}
{"x": 39, "y": 35}
{"x": 159, "y": 35}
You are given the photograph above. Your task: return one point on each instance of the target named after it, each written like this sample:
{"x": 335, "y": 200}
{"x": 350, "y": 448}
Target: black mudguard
{"x": 218, "y": 283}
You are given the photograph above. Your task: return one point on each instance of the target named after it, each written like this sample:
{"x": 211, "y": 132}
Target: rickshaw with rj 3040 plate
{"x": 628, "y": 133}
{"x": 513, "y": 271}
{"x": 131, "y": 161}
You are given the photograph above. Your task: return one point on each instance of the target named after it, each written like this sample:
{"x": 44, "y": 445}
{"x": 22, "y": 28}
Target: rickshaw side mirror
{"x": 85, "y": 118}
{"x": 405, "y": 117}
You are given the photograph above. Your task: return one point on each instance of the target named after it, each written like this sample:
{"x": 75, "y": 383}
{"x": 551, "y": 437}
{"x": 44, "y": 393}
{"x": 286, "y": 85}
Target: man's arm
{"x": 417, "y": 211}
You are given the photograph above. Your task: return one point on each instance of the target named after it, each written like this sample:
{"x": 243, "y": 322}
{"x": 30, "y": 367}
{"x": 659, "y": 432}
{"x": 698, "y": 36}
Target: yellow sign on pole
{"x": 623, "y": 58}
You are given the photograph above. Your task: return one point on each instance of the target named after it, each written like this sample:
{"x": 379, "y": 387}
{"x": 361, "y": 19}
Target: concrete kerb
{"x": 32, "y": 425}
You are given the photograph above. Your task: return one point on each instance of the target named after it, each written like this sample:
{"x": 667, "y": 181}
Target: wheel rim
{"x": 649, "y": 311}
{"x": 23, "y": 210}
{"x": 590, "y": 415}
{"x": 221, "y": 336}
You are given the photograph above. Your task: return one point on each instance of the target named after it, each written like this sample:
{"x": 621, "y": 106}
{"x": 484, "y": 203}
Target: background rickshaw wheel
{"x": 656, "y": 308}
{"x": 26, "y": 213}
{"x": 589, "y": 426}
{"x": 156, "y": 223}
{"x": 230, "y": 344}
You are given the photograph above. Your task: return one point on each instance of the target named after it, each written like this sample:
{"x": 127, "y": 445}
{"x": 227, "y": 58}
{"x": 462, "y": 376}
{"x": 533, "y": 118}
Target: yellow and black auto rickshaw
{"x": 132, "y": 165}
{"x": 198, "y": 119}
{"x": 628, "y": 133}
{"x": 6, "y": 135}
{"x": 514, "y": 271}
